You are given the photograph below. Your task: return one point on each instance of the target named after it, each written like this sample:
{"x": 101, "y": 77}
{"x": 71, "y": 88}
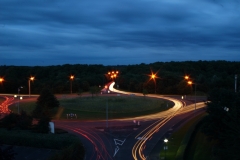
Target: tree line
{"x": 169, "y": 77}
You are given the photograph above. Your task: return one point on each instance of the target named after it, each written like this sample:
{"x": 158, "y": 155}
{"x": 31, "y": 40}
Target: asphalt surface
{"x": 118, "y": 139}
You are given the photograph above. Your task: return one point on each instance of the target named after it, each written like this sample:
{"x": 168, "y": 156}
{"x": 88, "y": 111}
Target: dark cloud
{"x": 122, "y": 32}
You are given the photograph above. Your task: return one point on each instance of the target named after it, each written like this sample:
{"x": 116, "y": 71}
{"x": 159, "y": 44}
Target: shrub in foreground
{"x": 74, "y": 152}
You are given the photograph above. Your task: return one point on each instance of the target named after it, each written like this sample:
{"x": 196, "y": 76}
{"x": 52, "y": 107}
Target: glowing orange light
{"x": 190, "y": 82}
{"x": 71, "y": 77}
{"x": 32, "y": 78}
{"x": 1, "y": 80}
{"x": 186, "y": 77}
{"x": 153, "y": 76}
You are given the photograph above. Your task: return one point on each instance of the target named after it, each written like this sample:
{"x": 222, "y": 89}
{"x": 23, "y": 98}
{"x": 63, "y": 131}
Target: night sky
{"x": 118, "y": 32}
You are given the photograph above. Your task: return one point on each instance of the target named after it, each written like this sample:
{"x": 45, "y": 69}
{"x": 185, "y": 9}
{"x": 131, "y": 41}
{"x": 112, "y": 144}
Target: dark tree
{"x": 24, "y": 121}
{"x": 223, "y": 123}
{"x": 43, "y": 125}
{"x": 45, "y": 105}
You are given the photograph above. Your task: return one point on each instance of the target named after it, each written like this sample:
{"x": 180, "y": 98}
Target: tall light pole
{"x": 71, "y": 79}
{"x": 29, "y": 85}
{"x": 235, "y": 82}
{"x": 190, "y": 83}
{"x": 19, "y": 96}
{"x": 153, "y": 77}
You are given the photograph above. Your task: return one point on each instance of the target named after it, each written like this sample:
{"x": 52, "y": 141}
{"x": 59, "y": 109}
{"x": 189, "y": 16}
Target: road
{"x": 130, "y": 138}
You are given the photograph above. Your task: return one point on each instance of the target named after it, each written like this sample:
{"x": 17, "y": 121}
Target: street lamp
{"x": 19, "y": 96}
{"x": 1, "y": 80}
{"x": 113, "y": 75}
{"x": 71, "y": 79}
{"x": 165, "y": 147}
{"x": 235, "y": 82}
{"x": 191, "y": 83}
{"x": 29, "y": 85}
{"x": 153, "y": 77}
{"x": 186, "y": 77}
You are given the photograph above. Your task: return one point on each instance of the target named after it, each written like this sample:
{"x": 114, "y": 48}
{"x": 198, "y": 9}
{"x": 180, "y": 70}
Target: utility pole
{"x": 235, "y": 82}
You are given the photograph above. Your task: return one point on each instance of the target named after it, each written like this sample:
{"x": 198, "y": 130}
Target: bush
{"x": 74, "y": 152}
{"x": 13, "y": 120}
{"x": 9, "y": 121}
{"x": 43, "y": 125}
{"x": 24, "y": 121}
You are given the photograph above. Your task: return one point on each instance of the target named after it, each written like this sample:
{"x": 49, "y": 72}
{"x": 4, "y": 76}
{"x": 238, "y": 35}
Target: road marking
{"x": 119, "y": 142}
{"x": 116, "y": 150}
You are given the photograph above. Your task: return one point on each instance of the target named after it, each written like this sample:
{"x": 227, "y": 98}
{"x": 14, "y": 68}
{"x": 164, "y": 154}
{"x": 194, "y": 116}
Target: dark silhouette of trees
{"x": 223, "y": 124}
{"x": 209, "y": 74}
{"x": 45, "y": 105}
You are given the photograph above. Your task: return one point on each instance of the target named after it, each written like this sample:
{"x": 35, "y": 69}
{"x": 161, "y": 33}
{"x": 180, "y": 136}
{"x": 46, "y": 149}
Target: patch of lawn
{"x": 118, "y": 107}
{"x": 175, "y": 143}
{"x": 91, "y": 108}
{"x": 199, "y": 147}
{"x": 38, "y": 140}
{"x": 26, "y": 106}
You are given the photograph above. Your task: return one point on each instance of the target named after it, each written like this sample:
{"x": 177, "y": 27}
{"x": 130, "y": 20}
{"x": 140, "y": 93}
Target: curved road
{"x": 130, "y": 138}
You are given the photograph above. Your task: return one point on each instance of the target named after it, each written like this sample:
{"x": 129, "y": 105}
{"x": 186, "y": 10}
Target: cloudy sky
{"x": 115, "y": 32}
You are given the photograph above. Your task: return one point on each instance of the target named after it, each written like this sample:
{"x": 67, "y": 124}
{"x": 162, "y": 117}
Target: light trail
{"x": 161, "y": 117}
{"x": 99, "y": 150}
{"x": 4, "y": 106}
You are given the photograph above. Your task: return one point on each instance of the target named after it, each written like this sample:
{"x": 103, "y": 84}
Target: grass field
{"x": 95, "y": 108}
{"x": 175, "y": 143}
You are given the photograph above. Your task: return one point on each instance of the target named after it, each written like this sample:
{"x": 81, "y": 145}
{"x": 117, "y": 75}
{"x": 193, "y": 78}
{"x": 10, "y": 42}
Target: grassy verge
{"x": 38, "y": 140}
{"x": 178, "y": 141}
{"x": 199, "y": 147}
{"x": 95, "y": 108}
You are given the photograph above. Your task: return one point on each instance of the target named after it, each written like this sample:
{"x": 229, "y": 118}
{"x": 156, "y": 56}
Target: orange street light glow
{"x": 153, "y": 76}
{"x": 190, "y": 82}
{"x": 1, "y": 80}
{"x": 32, "y": 78}
{"x": 186, "y": 77}
{"x": 71, "y": 77}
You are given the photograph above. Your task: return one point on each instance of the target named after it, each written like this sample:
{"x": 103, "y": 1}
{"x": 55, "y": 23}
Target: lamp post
{"x": 235, "y": 82}
{"x": 113, "y": 74}
{"x": 71, "y": 79}
{"x": 190, "y": 83}
{"x": 153, "y": 76}
{"x": 29, "y": 85}
{"x": 19, "y": 96}
{"x": 165, "y": 147}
